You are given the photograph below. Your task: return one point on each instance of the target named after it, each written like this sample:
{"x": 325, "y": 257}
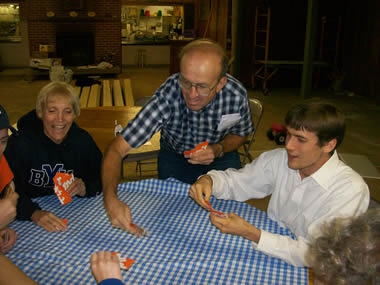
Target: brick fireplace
{"x": 104, "y": 27}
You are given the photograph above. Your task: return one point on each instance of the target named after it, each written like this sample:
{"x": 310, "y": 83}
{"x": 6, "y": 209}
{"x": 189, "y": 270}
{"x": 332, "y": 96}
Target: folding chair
{"x": 257, "y": 112}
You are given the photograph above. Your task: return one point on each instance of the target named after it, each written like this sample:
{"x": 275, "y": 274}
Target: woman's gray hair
{"x": 57, "y": 88}
{"x": 348, "y": 250}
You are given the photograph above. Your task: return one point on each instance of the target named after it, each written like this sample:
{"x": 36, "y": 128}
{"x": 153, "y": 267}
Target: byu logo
{"x": 44, "y": 177}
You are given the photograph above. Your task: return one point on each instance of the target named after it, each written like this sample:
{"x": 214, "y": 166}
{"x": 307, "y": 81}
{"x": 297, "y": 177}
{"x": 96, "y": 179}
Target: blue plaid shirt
{"x": 181, "y": 128}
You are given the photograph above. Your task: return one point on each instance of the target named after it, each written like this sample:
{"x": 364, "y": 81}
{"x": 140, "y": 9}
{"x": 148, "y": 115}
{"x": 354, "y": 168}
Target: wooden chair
{"x": 257, "y": 110}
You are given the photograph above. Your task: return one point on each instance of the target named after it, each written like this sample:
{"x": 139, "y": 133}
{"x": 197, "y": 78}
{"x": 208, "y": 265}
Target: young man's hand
{"x": 202, "y": 187}
{"x": 104, "y": 265}
{"x": 236, "y": 225}
{"x": 48, "y": 221}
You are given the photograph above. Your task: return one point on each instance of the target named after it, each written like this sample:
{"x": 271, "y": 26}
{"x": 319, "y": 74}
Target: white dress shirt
{"x": 300, "y": 205}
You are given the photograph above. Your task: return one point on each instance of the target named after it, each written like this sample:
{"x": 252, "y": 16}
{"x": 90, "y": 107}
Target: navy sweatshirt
{"x": 35, "y": 159}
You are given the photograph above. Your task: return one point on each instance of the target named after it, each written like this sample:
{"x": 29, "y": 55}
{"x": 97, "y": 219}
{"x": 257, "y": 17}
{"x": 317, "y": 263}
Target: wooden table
{"x": 100, "y": 123}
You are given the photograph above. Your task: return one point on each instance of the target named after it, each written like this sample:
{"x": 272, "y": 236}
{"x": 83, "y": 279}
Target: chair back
{"x": 142, "y": 101}
{"x": 257, "y": 110}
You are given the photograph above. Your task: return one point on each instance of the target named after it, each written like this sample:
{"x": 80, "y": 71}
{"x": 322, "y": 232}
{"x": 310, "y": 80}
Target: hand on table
{"x": 204, "y": 157}
{"x": 203, "y": 186}
{"x": 48, "y": 221}
{"x": 105, "y": 266}
{"x": 236, "y": 225}
{"x": 120, "y": 216}
{"x": 7, "y": 239}
{"x": 77, "y": 188}
{"x": 8, "y": 206}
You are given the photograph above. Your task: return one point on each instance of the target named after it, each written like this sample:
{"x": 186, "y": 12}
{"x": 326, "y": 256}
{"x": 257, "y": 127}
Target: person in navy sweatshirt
{"x": 48, "y": 142}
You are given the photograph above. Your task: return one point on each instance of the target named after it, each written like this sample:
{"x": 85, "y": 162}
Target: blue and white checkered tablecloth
{"x": 183, "y": 247}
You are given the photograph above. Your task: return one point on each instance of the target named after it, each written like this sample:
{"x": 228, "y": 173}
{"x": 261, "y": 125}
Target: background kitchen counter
{"x": 157, "y": 52}
{"x": 145, "y": 42}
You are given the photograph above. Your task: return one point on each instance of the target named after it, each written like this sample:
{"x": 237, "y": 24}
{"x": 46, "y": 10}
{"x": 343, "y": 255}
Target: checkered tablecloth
{"x": 183, "y": 247}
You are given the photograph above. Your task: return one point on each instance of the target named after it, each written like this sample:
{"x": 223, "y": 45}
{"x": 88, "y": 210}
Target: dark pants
{"x": 171, "y": 164}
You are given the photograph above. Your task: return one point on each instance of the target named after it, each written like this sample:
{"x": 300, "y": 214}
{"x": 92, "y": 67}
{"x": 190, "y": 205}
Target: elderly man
{"x": 308, "y": 183}
{"x": 200, "y": 104}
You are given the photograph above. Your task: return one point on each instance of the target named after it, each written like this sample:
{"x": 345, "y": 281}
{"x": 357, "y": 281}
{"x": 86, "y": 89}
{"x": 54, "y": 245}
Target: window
{"x": 9, "y": 23}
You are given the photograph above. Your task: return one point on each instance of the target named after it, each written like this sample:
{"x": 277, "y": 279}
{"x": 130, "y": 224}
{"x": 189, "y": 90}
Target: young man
{"x": 9, "y": 273}
{"x": 308, "y": 183}
{"x": 202, "y": 103}
{"x": 8, "y": 196}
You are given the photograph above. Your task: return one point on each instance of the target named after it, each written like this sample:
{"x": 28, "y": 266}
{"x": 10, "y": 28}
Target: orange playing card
{"x": 199, "y": 147}
{"x": 125, "y": 263}
{"x": 62, "y": 182}
{"x": 215, "y": 212}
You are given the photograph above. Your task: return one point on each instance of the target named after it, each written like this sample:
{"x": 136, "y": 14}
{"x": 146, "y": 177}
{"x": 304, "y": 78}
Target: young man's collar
{"x": 323, "y": 175}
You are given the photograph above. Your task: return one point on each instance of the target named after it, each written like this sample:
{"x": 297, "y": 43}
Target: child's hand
{"x": 8, "y": 207}
{"x": 7, "y": 239}
{"x": 105, "y": 266}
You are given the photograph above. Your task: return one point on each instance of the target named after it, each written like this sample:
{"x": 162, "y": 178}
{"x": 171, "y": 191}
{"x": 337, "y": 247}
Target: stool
{"x": 141, "y": 56}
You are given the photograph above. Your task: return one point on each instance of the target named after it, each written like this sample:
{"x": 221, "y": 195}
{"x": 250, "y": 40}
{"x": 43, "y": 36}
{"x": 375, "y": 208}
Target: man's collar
{"x": 323, "y": 175}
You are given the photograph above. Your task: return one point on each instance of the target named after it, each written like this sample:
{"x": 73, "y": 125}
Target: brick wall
{"x": 105, "y": 26}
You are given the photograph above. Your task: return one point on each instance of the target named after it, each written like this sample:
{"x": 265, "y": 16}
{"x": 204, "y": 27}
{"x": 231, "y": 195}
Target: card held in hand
{"x": 125, "y": 263}
{"x": 199, "y": 147}
{"x": 215, "y": 212}
{"x": 62, "y": 182}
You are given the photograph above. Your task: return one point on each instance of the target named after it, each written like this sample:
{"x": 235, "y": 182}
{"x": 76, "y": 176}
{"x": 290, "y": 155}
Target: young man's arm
{"x": 283, "y": 247}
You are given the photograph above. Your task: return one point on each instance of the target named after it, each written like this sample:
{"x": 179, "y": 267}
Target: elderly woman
{"x": 348, "y": 251}
{"x": 49, "y": 142}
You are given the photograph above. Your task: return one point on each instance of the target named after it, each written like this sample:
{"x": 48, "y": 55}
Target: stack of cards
{"x": 125, "y": 263}
{"x": 62, "y": 182}
{"x": 199, "y": 147}
{"x": 144, "y": 233}
{"x": 215, "y": 212}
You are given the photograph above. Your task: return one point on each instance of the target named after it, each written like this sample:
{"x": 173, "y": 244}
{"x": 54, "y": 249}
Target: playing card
{"x": 125, "y": 263}
{"x": 199, "y": 147}
{"x": 62, "y": 182}
{"x": 145, "y": 233}
{"x": 215, "y": 212}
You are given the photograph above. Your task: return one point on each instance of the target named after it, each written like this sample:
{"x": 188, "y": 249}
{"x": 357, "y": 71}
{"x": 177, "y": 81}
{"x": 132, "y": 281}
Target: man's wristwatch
{"x": 222, "y": 152}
